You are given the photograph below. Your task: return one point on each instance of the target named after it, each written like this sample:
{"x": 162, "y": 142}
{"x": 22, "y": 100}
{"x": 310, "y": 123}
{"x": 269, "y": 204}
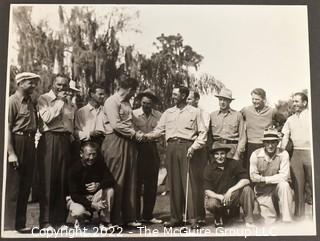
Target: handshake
{"x": 143, "y": 137}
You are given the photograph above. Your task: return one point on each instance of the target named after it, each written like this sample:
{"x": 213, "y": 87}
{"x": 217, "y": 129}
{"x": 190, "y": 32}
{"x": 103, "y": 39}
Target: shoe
{"x": 152, "y": 221}
{"x": 24, "y": 230}
{"x": 63, "y": 228}
{"x": 172, "y": 225}
{"x": 195, "y": 226}
{"x": 134, "y": 224}
{"x": 250, "y": 225}
{"x": 164, "y": 193}
{"x": 202, "y": 222}
{"x": 218, "y": 222}
{"x": 48, "y": 228}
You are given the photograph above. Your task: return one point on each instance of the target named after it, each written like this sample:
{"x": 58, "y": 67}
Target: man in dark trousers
{"x": 226, "y": 185}
{"x": 120, "y": 153}
{"x": 145, "y": 119}
{"x": 22, "y": 126}
{"x": 185, "y": 133}
{"x": 90, "y": 186}
{"x": 54, "y": 152}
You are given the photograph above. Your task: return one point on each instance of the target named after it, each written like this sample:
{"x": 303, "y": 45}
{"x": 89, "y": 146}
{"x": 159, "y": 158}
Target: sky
{"x": 243, "y": 46}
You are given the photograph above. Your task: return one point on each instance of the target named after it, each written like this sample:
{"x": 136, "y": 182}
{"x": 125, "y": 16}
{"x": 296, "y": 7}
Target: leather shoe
{"x": 195, "y": 226}
{"x": 24, "y": 230}
{"x": 173, "y": 225}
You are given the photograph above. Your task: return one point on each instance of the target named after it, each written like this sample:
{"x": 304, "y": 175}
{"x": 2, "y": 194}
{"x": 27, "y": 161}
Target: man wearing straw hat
{"x": 185, "y": 133}
{"x": 22, "y": 126}
{"x": 226, "y": 185}
{"x": 270, "y": 172}
{"x": 227, "y": 125}
{"x": 145, "y": 119}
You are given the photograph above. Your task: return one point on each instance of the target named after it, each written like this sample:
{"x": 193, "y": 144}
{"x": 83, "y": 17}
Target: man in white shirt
{"x": 270, "y": 172}
{"x": 297, "y": 127}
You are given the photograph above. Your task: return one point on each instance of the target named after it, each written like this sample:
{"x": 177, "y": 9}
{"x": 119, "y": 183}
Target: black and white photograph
{"x": 140, "y": 120}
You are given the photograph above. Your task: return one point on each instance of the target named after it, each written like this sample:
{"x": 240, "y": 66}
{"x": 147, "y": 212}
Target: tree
{"x": 166, "y": 68}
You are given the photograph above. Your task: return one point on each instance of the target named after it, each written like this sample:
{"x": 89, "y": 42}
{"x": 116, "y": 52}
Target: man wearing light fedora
{"x": 145, "y": 119}
{"x": 22, "y": 126}
{"x": 226, "y": 185}
{"x": 270, "y": 172}
{"x": 227, "y": 125}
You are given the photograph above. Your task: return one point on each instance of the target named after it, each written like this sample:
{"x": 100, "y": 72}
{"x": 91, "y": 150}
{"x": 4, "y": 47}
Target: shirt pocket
{"x": 232, "y": 127}
{"x": 190, "y": 122}
{"x": 24, "y": 111}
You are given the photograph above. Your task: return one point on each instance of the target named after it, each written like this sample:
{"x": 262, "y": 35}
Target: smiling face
{"x": 191, "y": 100}
{"x": 28, "y": 86}
{"x": 224, "y": 103}
{"x": 88, "y": 155}
{"x": 220, "y": 156}
{"x": 270, "y": 146}
{"x": 60, "y": 84}
{"x": 98, "y": 96}
{"x": 257, "y": 101}
{"x": 298, "y": 104}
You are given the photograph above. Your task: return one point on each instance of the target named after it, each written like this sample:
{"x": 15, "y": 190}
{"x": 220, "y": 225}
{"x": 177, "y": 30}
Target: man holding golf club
{"x": 185, "y": 132}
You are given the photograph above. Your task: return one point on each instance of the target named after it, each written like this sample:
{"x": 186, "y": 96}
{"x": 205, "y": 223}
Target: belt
{"x": 24, "y": 133}
{"x": 226, "y": 141}
{"x": 61, "y": 133}
{"x": 179, "y": 140}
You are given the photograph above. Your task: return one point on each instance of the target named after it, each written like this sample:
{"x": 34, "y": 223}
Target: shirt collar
{"x": 140, "y": 112}
{"x": 264, "y": 109}
{"x": 52, "y": 95}
{"x": 229, "y": 111}
{"x": 304, "y": 112}
{"x": 186, "y": 108}
{"x": 21, "y": 98}
{"x": 119, "y": 97}
{"x": 262, "y": 153}
{"x": 91, "y": 107}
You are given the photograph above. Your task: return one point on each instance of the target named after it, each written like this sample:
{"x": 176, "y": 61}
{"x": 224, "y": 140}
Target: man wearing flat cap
{"x": 227, "y": 125}
{"x": 145, "y": 119}
{"x": 22, "y": 126}
{"x": 270, "y": 172}
{"x": 226, "y": 185}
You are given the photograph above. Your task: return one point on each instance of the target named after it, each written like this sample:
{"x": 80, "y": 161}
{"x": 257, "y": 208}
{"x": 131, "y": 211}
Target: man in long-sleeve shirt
{"x": 227, "y": 125}
{"x": 90, "y": 185}
{"x": 120, "y": 153}
{"x": 270, "y": 171}
{"x": 145, "y": 119}
{"x": 54, "y": 152}
{"x": 185, "y": 132}
{"x": 297, "y": 127}
{"x": 89, "y": 120}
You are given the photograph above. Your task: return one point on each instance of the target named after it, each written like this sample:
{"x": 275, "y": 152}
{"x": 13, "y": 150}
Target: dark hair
{"x": 61, "y": 76}
{"x": 183, "y": 90}
{"x": 260, "y": 92}
{"x": 93, "y": 88}
{"x": 88, "y": 143}
{"x": 127, "y": 82}
{"x": 302, "y": 95}
{"x": 196, "y": 95}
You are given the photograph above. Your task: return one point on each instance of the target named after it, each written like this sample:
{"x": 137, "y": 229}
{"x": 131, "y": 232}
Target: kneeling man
{"x": 270, "y": 171}
{"x": 91, "y": 186}
{"x": 226, "y": 185}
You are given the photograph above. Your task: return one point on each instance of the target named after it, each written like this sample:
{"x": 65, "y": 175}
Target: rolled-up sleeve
{"x": 286, "y": 135}
{"x": 124, "y": 127}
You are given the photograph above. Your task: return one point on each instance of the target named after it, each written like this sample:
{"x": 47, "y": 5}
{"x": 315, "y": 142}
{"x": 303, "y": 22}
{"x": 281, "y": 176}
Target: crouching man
{"x": 91, "y": 187}
{"x": 226, "y": 185}
{"x": 270, "y": 171}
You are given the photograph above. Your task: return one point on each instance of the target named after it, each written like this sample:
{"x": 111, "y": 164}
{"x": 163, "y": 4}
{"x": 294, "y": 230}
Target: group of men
{"x": 213, "y": 161}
